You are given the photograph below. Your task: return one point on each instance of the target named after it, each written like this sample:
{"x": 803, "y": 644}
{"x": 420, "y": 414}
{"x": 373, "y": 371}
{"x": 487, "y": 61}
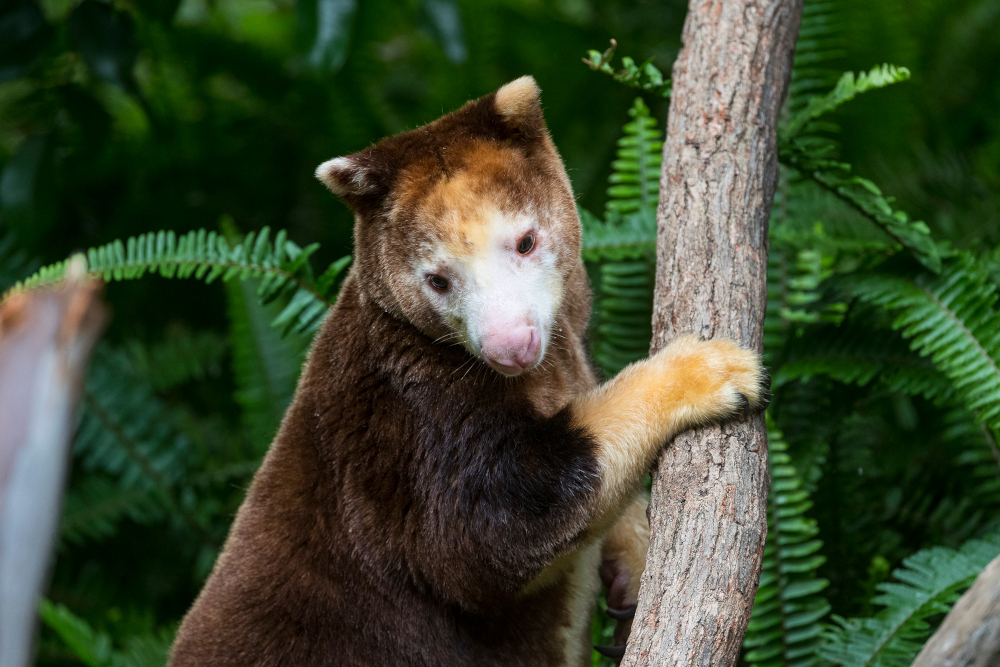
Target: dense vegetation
{"x": 207, "y": 118}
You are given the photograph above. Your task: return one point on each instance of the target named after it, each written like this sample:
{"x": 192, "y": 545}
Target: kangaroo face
{"x": 469, "y": 228}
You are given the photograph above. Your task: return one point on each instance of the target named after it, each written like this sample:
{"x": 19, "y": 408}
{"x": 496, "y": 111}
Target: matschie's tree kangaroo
{"x": 451, "y": 482}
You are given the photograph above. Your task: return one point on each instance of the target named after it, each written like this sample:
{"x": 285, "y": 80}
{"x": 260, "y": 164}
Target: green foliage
{"x": 91, "y": 647}
{"x": 644, "y": 76}
{"x": 847, "y": 88}
{"x": 622, "y": 246}
{"x": 808, "y": 158}
{"x": 624, "y": 314}
{"x": 265, "y": 363}
{"x": 333, "y": 20}
{"x": 95, "y": 505}
{"x": 127, "y": 433}
{"x": 820, "y": 42}
{"x": 950, "y": 318}
{"x": 636, "y": 177}
{"x": 854, "y": 354}
{"x": 785, "y": 622}
{"x": 183, "y": 356}
{"x": 928, "y": 584}
{"x": 282, "y": 266}
{"x": 120, "y": 117}
{"x": 631, "y": 237}
{"x": 94, "y": 648}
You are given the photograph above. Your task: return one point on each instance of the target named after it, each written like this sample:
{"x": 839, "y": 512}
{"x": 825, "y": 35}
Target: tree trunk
{"x": 46, "y": 336}
{"x": 708, "y": 511}
{"x": 970, "y": 633}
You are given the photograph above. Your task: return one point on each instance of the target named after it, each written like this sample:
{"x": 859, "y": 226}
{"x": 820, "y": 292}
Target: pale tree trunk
{"x": 708, "y": 510}
{"x": 970, "y": 633}
{"x": 46, "y": 336}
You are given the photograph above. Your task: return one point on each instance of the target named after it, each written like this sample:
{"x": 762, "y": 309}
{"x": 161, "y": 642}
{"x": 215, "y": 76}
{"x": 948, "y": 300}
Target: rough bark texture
{"x": 970, "y": 633}
{"x": 45, "y": 339}
{"x": 708, "y": 511}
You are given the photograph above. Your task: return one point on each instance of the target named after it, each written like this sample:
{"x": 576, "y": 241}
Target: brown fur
{"x": 415, "y": 507}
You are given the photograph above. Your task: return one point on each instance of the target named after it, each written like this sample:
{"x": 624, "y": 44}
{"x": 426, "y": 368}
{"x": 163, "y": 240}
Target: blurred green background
{"x": 118, "y": 118}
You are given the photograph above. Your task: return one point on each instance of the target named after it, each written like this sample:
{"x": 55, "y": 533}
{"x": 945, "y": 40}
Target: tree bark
{"x": 46, "y": 336}
{"x": 708, "y": 510}
{"x": 970, "y": 633}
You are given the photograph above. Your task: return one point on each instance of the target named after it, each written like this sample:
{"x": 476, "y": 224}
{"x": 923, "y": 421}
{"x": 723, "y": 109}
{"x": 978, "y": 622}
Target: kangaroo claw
{"x": 743, "y": 410}
{"x": 622, "y": 614}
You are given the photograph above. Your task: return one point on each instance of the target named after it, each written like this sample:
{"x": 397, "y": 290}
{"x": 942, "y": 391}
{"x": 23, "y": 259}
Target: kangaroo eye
{"x": 438, "y": 283}
{"x": 526, "y": 243}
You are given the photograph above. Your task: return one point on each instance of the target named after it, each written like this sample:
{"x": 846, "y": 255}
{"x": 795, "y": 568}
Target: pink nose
{"x": 512, "y": 350}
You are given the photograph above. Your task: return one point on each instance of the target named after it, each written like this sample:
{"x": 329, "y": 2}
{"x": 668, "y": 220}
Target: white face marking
{"x": 495, "y": 295}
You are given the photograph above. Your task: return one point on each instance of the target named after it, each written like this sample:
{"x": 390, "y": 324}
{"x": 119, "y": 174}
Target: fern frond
{"x": 624, "y": 315}
{"x": 979, "y": 455}
{"x": 820, "y": 41}
{"x": 812, "y": 155}
{"x": 282, "y": 267}
{"x": 858, "y": 355}
{"x": 265, "y": 364}
{"x": 92, "y": 647}
{"x": 785, "y": 624}
{"x": 624, "y": 246}
{"x": 645, "y": 76}
{"x": 127, "y": 432}
{"x": 929, "y": 583}
{"x": 809, "y": 158}
{"x": 848, "y": 87}
{"x": 93, "y": 507}
{"x": 145, "y": 650}
{"x": 635, "y": 181}
{"x": 182, "y": 356}
{"x": 950, "y": 318}
{"x": 630, "y": 236}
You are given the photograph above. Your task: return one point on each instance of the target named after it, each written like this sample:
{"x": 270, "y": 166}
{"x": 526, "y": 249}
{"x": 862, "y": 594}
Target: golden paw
{"x": 717, "y": 379}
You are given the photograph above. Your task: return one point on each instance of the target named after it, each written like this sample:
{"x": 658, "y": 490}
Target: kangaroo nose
{"x": 512, "y": 350}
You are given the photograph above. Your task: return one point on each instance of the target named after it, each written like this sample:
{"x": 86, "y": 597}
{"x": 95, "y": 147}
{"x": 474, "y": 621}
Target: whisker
{"x": 470, "y": 368}
{"x": 471, "y": 359}
{"x": 447, "y": 336}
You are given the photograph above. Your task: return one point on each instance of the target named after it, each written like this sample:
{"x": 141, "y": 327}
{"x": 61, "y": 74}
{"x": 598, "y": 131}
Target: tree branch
{"x": 708, "y": 511}
{"x": 46, "y": 336}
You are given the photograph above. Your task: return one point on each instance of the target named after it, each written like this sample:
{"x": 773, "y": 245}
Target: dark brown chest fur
{"x": 409, "y": 498}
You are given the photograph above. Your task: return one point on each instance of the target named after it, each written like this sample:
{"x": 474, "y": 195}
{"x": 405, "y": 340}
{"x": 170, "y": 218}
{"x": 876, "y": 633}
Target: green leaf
{"x": 24, "y": 35}
{"x": 265, "y": 363}
{"x": 93, "y": 507}
{"x": 629, "y": 237}
{"x": 146, "y": 650}
{"x": 206, "y": 255}
{"x": 90, "y": 646}
{"x": 644, "y": 76}
{"x": 848, "y": 87}
{"x": 929, "y": 583}
{"x": 785, "y": 620}
{"x": 951, "y": 320}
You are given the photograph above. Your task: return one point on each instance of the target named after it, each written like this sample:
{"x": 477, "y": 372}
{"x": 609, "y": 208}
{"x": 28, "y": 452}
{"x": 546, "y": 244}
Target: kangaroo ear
{"x": 347, "y": 177}
{"x": 519, "y": 104}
